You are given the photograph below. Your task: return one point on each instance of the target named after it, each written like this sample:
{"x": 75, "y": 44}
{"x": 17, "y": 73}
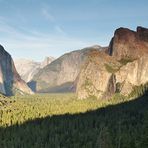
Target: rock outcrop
{"x": 95, "y": 78}
{"x": 133, "y": 74}
{"x": 129, "y": 44}
{"x": 10, "y": 81}
{"x": 118, "y": 69}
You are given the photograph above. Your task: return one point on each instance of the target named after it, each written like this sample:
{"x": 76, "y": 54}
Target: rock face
{"x": 117, "y": 69}
{"x": 129, "y": 44}
{"x": 94, "y": 78}
{"x": 46, "y": 61}
{"x": 133, "y": 74}
{"x": 10, "y": 81}
{"x": 59, "y": 76}
{"x": 28, "y": 68}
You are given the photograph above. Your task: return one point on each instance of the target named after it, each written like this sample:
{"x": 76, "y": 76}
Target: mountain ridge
{"x": 63, "y": 70}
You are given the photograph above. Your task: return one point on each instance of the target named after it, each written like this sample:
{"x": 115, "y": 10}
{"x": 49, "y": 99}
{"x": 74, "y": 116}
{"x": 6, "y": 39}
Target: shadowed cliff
{"x": 10, "y": 81}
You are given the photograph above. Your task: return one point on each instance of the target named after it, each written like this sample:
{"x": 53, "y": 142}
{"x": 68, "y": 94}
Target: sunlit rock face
{"x": 95, "y": 78}
{"x": 133, "y": 74}
{"x": 129, "y": 44}
{"x": 10, "y": 81}
{"x": 119, "y": 68}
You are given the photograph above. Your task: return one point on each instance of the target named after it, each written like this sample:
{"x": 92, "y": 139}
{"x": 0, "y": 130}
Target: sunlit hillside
{"x": 19, "y": 109}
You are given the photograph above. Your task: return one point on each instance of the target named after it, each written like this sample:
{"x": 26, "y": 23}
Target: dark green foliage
{"x": 118, "y": 87}
{"x": 126, "y": 60}
{"x": 123, "y": 125}
{"x": 139, "y": 90}
{"x": 117, "y": 97}
{"x": 87, "y": 84}
{"x": 144, "y": 142}
{"x": 111, "y": 68}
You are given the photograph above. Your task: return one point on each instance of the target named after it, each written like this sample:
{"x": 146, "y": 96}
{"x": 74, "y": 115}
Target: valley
{"x": 88, "y": 98}
{"x": 19, "y": 109}
{"x": 60, "y": 120}
{"x": 73, "y": 74}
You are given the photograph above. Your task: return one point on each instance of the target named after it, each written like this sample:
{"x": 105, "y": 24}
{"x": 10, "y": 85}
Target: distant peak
{"x": 95, "y": 46}
{"x": 47, "y": 60}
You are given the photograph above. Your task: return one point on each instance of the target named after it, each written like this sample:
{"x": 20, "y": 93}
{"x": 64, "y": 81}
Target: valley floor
{"x": 19, "y": 109}
{"x": 63, "y": 121}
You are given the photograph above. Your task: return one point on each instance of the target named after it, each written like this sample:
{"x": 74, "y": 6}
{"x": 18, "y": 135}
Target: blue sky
{"x": 37, "y": 28}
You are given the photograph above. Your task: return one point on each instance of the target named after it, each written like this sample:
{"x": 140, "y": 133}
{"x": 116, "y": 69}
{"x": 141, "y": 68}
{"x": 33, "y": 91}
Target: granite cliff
{"x": 60, "y": 75}
{"x": 10, "y": 81}
{"x": 129, "y": 44}
{"x": 121, "y": 68}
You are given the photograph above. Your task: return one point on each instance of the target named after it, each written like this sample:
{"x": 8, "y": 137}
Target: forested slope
{"x": 123, "y": 125}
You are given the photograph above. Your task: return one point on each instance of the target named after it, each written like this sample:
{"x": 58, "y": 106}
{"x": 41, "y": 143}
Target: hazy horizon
{"x": 33, "y": 29}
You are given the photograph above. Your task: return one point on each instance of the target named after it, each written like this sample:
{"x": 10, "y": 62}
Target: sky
{"x": 33, "y": 29}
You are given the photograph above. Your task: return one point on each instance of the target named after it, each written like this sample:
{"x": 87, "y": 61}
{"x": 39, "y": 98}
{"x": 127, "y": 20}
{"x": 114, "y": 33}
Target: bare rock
{"x": 62, "y": 72}
{"x": 95, "y": 79}
{"x": 129, "y": 44}
{"x": 10, "y": 81}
